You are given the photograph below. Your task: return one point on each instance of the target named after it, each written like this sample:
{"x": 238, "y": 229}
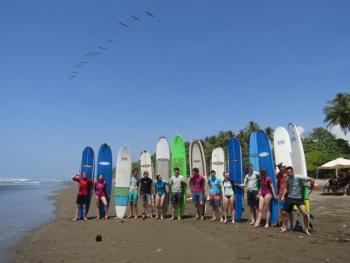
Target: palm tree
{"x": 338, "y": 112}
{"x": 252, "y": 126}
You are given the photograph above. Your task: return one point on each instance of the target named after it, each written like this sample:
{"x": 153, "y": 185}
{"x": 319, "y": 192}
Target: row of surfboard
{"x": 287, "y": 145}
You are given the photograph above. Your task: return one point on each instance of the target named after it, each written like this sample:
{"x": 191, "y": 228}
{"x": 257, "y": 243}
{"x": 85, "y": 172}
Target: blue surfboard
{"x": 253, "y": 152}
{"x": 236, "y": 174}
{"x": 266, "y": 162}
{"x": 87, "y": 166}
{"x": 104, "y": 167}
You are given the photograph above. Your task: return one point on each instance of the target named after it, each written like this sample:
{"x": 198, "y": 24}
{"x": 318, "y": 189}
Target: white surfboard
{"x": 163, "y": 165}
{"x": 197, "y": 158}
{"x": 297, "y": 151}
{"x": 218, "y": 162}
{"x": 163, "y": 158}
{"x": 282, "y": 147}
{"x": 122, "y": 181}
{"x": 146, "y": 163}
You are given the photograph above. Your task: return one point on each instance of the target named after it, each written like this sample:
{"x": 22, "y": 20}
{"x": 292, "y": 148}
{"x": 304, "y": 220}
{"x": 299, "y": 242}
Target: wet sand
{"x": 131, "y": 240}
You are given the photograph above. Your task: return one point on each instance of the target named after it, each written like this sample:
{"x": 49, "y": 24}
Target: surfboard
{"x": 87, "y": 166}
{"x": 178, "y": 159}
{"x": 266, "y": 162}
{"x": 253, "y": 152}
{"x": 104, "y": 167}
{"x": 122, "y": 181}
{"x": 163, "y": 165}
{"x": 298, "y": 159}
{"x": 236, "y": 174}
{"x": 197, "y": 160}
{"x": 218, "y": 162}
{"x": 146, "y": 163}
{"x": 282, "y": 147}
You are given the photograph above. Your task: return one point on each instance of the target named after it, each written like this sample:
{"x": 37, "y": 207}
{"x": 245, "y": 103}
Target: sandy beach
{"x": 131, "y": 240}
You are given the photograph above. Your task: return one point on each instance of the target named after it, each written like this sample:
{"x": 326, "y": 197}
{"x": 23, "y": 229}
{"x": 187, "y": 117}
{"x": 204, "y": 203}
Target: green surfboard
{"x": 178, "y": 159}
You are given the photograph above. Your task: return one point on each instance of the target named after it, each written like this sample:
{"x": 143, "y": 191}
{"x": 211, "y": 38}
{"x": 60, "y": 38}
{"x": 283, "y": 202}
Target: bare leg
{"x": 131, "y": 206}
{"x": 136, "y": 212}
{"x": 162, "y": 198}
{"x": 267, "y": 203}
{"x": 157, "y": 206}
{"x": 84, "y": 211}
{"x": 104, "y": 202}
{"x": 77, "y": 212}
{"x": 226, "y": 205}
{"x": 97, "y": 208}
{"x": 302, "y": 209}
{"x": 232, "y": 204}
{"x": 260, "y": 211}
{"x": 284, "y": 221}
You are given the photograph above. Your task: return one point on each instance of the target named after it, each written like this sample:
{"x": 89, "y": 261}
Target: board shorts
{"x": 281, "y": 204}
{"x": 290, "y": 202}
{"x": 161, "y": 194}
{"x": 197, "y": 197}
{"x": 215, "y": 200}
{"x": 176, "y": 198}
{"x": 82, "y": 199}
{"x": 146, "y": 197}
{"x": 133, "y": 196}
{"x": 252, "y": 198}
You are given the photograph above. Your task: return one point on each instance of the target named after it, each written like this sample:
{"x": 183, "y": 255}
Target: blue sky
{"x": 199, "y": 67}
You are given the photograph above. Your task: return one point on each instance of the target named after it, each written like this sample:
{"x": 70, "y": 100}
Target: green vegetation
{"x": 338, "y": 112}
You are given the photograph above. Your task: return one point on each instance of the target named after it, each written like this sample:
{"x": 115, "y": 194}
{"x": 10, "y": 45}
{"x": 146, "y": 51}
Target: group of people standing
{"x": 219, "y": 193}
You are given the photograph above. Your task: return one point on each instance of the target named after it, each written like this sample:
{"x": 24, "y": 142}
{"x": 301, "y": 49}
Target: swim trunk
{"x": 197, "y": 197}
{"x": 281, "y": 204}
{"x": 252, "y": 198}
{"x": 290, "y": 202}
{"x": 146, "y": 197}
{"x": 133, "y": 196}
{"x": 82, "y": 199}
{"x": 215, "y": 200}
{"x": 176, "y": 198}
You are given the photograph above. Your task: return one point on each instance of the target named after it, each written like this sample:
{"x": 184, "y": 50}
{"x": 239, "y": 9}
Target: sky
{"x": 196, "y": 68}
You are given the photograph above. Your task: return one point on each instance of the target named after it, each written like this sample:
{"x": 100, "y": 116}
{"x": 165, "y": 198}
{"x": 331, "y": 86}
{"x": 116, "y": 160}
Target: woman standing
{"x": 229, "y": 198}
{"x": 160, "y": 187}
{"x": 100, "y": 195}
{"x": 266, "y": 193}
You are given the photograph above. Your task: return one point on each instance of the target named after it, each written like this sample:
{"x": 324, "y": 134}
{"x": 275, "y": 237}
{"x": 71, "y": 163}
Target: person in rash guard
{"x": 101, "y": 195}
{"x": 83, "y": 194}
{"x": 266, "y": 193}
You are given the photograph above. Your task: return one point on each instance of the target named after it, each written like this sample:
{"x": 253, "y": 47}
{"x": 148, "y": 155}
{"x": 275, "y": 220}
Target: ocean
{"x": 24, "y": 205}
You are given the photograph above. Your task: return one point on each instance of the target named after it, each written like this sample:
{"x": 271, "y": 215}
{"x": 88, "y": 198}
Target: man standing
{"x": 146, "y": 193}
{"x": 215, "y": 195}
{"x": 197, "y": 183}
{"x": 293, "y": 195}
{"x": 133, "y": 193}
{"x": 177, "y": 183}
{"x": 251, "y": 180}
{"x": 282, "y": 186}
{"x": 83, "y": 195}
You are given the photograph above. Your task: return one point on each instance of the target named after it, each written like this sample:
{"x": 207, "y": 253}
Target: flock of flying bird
{"x": 97, "y": 51}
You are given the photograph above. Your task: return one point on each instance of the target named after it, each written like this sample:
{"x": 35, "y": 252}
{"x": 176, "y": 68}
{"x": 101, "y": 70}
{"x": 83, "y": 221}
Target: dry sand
{"x": 131, "y": 240}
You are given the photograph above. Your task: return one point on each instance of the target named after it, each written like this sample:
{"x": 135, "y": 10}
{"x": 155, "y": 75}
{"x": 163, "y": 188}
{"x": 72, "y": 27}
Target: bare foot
{"x": 251, "y": 223}
{"x": 106, "y": 217}
{"x": 307, "y": 232}
{"x": 161, "y": 218}
{"x": 266, "y": 226}
{"x": 85, "y": 219}
{"x": 225, "y": 221}
{"x": 213, "y": 219}
{"x": 256, "y": 225}
{"x": 202, "y": 217}
{"x": 156, "y": 217}
{"x": 98, "y": 218}
{"x": 172, "y": 218}
{"x": 75, "y": 219}
{"x": 179, "y": 218}
{"x": 136, "y": 217}
{"x": 284, "y": 230}
{"x": 196, "y": 218}
{"x": 129, "y": 216}
{"x": 233, "y": 221}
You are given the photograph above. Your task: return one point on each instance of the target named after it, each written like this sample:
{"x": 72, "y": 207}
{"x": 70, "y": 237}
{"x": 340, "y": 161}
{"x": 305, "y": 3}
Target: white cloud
{"x": 301, "y": 131}
{"x": 339, "y": 134}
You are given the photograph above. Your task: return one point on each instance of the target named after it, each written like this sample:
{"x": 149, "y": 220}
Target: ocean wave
{"x": 25, "y": 181}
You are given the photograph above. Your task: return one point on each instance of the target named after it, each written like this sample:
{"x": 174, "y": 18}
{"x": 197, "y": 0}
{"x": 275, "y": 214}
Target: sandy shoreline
{"x": 163, "y": 241}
